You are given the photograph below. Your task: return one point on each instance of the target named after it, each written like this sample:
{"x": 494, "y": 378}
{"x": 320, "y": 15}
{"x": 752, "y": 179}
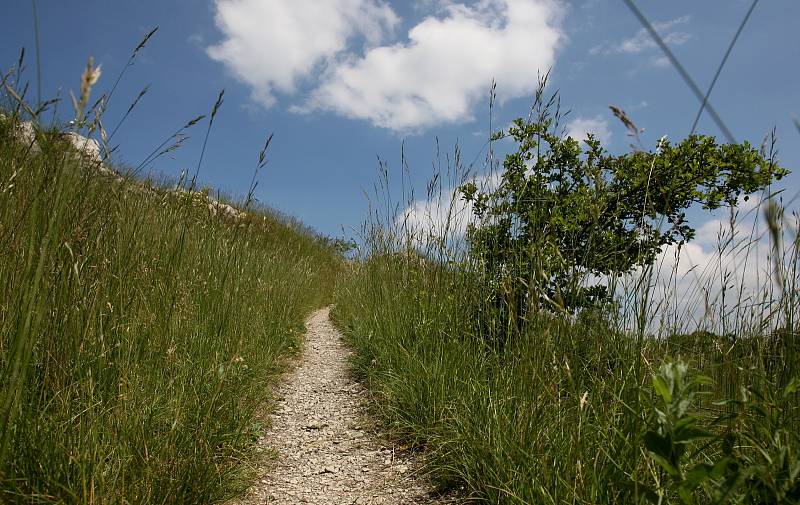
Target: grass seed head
{"x": 89, "y": 78}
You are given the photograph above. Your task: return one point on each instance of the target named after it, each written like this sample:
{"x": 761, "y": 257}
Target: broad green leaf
{"x": 641, "y": 490}
{"x": 660, "y": 450}
{"x": 728, "y": 487}
{"x": 690, "y": 434}
{"x": 720, "y": 466}
{"x": 661, "y": 387}
{"x": 666, "y": 465}
{"x": 697, "y": 475}
{"x": 685, "y": 421}
{"x": 686, "y": 496}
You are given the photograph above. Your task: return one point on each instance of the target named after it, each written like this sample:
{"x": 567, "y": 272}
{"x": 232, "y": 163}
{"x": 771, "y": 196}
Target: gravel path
{"x": 328, "y": 452}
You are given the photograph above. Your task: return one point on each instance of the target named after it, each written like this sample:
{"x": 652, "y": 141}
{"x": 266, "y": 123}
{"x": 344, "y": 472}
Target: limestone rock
{"x": 89, "y": 147}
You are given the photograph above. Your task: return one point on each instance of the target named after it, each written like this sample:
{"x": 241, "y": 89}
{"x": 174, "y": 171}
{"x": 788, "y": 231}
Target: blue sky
{"x": 343, "y": 82}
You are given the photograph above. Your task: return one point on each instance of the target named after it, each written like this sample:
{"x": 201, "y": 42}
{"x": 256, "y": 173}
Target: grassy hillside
{"x": 138, "y": 332}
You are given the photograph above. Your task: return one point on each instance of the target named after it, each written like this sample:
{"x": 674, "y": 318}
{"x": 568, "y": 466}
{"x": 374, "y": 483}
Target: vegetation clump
{"x": 530, "y": 376}
{"x": 562, "y": 214}
{"x": 139, "y": 332}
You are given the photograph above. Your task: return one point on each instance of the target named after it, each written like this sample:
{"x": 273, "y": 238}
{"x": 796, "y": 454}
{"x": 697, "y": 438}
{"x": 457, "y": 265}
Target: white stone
{"x": 89, "y": 147}
{"x": 217, "y": 207}
{"x": 25, "y": 133}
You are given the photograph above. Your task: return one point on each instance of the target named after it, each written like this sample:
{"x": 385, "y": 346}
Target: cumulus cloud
{"x": 579, "y": 127}
{"x": 724, "y": 277}
{"x": 342, "y": 51}
{"x": 446, "y": 66}
{"x": 271, "y": 45}
{"x": 670, "y": 31}
{"x": 443, "y": 215}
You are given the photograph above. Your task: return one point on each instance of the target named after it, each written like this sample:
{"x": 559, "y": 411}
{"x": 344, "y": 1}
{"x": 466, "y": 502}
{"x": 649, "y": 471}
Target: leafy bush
{"x": 564, "y": 215}
{"x": 749, "y": 454}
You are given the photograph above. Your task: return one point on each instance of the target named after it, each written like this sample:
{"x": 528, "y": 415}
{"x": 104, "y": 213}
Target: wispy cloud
{"x": 672, "y": 32}
{"x": 579, "y": 127}
{"x": 196, "y": 39}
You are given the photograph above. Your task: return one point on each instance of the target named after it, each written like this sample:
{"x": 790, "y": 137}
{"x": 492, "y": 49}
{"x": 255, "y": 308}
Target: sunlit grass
{"x": 562, "y": 411}
{"x": 139, "y": 332}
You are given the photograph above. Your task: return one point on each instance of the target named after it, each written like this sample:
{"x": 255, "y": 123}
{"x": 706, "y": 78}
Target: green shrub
{"x": 563, "y": 215}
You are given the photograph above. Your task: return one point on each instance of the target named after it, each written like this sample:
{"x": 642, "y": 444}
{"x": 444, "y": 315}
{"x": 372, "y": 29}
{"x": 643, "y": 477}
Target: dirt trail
{"x": 328, "y": 451}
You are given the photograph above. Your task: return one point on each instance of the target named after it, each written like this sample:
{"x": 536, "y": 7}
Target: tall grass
{"x": 589, "y": 408}
{"x": 684, "y": 390}
{"x": 139, "y": 332}
{"x": 560, "y": 413}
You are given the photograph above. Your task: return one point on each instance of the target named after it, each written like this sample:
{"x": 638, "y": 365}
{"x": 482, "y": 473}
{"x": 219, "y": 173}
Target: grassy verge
{"x": 510, "y": 424}
{"x": 568, "y": 412}
{"x": 600, "y": 405}
{"x": 138, "y": 332}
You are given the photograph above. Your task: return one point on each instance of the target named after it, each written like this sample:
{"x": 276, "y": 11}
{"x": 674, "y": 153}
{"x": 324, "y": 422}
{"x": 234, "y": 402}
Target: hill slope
{"x": 138, "y": 330}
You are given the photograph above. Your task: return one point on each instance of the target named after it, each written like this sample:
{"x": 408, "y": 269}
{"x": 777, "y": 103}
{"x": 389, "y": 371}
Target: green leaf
{"x": 690, "y": 434}
{"x": 792, "y": 388}
{"x": 685, "y": 421}
{"x": 641, "y": 490}
{"x": 660, "y": 450}
{"x": 703, "y": 380}
{"x": 661, "y": 387}
{"x": 686, "y": 496}
{"x": 728, "y": 487}
{"x": 697, "y": 475}
{"x": 720, "y": 467}
{"x": 666, "y": 465}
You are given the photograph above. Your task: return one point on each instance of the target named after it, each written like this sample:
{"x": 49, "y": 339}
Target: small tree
{"x": 566, "y": 219}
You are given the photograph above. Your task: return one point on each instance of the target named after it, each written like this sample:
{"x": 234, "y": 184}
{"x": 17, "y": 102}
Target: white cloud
{"x": 660, "y": 61}
{"x": 736, "y": 255}
{"x": 271, "y": 45}
{"x": 339, "y": 48}
{"x": 444, "y": 215}
{"x": 579, "y": 127}
{"x": 446, "y": 66}
{"x": 641, "y": 41}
